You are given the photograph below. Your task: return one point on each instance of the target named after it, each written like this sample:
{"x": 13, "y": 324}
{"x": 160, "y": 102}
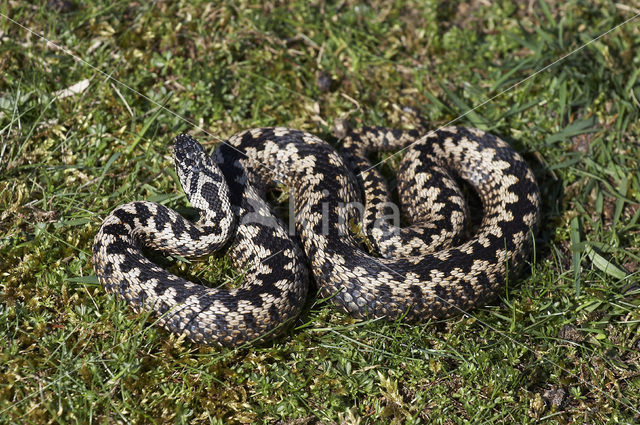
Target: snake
{"x": 344, "y": 234}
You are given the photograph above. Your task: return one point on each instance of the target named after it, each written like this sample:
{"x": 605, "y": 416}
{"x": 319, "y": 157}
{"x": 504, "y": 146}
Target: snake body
{"x": 418, "y": 272}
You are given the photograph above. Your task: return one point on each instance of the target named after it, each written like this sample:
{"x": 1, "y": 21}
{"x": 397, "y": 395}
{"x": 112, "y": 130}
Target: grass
{"x": 561, "y": 345}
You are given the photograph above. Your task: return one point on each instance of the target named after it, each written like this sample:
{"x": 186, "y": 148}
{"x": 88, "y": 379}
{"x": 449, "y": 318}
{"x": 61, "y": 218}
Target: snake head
{"x": 190, "y": 158}
{"x": 188, "y": 153}
{"x": 199, "y": 175}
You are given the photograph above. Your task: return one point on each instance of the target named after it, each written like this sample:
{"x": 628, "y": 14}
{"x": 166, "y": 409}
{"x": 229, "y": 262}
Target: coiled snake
{"x": 419, "y": 272}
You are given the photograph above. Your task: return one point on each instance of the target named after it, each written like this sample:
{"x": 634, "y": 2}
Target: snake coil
{"x": 425, "y": 270}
